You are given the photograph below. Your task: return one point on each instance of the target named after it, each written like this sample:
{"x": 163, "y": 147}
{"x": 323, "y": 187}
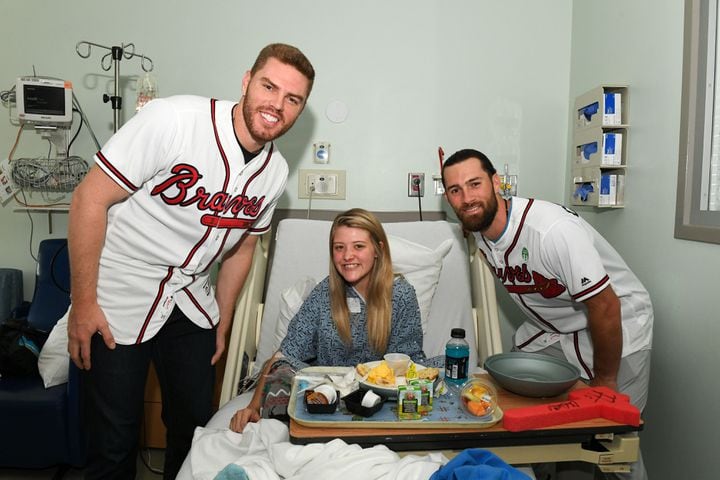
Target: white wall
{"x": 499, "y": 76}
{"x": 681, "y": 435}
{"x": 413, "y": 74}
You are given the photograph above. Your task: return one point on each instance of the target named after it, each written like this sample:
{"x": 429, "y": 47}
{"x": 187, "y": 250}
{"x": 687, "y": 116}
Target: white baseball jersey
{"x": 550, "y": 260}
{"x": 192, "y": 198}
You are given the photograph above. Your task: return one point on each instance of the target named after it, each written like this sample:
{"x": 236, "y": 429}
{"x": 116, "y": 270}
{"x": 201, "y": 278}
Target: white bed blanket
{"x": 264, "y": 452}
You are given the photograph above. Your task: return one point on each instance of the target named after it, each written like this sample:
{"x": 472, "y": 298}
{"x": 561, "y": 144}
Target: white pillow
{"x": 54, "y": 360}
{"x": 421, "y": 267}
{"x": 291, "y": 299}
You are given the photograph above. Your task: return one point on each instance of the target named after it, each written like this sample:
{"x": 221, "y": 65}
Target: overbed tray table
{"x": 610, "y": 445}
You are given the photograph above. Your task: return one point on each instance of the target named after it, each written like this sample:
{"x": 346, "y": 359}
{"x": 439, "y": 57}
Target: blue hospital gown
{"x": 312, "y": 338}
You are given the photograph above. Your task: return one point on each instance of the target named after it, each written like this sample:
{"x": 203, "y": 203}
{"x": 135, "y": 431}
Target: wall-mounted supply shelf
{"x": 600, "y": 140}
{"x": 603, "y": 106}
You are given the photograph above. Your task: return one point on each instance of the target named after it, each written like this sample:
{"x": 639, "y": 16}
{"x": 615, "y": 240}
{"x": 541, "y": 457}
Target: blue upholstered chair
{"x": 41, "y": 427}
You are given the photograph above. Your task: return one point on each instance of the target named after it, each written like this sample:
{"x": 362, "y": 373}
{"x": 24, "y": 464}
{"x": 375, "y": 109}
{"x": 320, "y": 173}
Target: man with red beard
{"x": 187, "y": 181}
{"x": 582, "y": 301}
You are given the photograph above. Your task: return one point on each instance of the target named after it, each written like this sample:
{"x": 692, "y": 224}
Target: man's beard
{"x": 261, "y": 135}
{"x": 479, "y": 222}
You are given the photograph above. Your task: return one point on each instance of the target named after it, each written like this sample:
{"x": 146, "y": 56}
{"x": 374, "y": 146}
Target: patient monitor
{"x": 44, "y": 102}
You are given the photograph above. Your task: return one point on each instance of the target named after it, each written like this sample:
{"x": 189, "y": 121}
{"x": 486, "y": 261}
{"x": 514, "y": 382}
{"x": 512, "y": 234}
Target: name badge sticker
{"x": 353, "y": 304}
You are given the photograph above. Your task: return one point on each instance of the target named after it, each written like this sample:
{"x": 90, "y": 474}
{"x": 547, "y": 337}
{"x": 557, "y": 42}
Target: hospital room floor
{"x": 143, "y": 472}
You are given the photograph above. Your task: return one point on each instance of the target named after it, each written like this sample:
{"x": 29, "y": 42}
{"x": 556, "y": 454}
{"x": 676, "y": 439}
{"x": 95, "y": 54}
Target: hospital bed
{"x": 455, "y": 289}
{"x": 433, "y": 255}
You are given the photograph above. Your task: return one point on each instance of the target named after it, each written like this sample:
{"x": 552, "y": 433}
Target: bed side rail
{"x": 487, "y": 326}
{"x": 246, "y": 321}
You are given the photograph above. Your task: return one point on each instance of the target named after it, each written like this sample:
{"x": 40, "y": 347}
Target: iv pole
{"x": 126, "y": 50}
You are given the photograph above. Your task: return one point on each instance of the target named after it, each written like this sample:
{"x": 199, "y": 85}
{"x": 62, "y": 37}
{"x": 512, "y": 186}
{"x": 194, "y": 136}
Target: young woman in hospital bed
{"x": 355, "y": 315}
{"x": 360, "y": 311}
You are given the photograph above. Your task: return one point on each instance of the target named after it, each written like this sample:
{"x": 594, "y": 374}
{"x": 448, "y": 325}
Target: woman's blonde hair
{"x": 379, "y": 293}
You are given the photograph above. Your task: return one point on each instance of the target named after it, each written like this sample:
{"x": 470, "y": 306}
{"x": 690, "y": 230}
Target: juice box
{"x": 408, "y": 404}
{"x": 426, "y": 394}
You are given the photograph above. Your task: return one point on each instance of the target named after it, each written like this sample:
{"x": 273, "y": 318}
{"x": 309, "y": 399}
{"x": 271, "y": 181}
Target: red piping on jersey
{"x": 517, "y": 234}
{"x": 576, "y": 345}
{"x": 198, "y": 306}
{"x": 116, "y": 172}
{"x": 257, "y": 173}
{"x": 538, "y": 317}
{"x": 593, "y": 288}
{"x": 509, "y": 250}
{"x": 260, "y": 230}
{"x": 531, "y": 339}
{"x": 205, "y": 236}
{"x": 196, "y": 247}
{"x": 158, "y": 296}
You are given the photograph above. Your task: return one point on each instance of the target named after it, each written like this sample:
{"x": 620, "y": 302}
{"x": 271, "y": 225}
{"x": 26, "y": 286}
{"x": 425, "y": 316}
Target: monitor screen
{"x": 43, "y": 101}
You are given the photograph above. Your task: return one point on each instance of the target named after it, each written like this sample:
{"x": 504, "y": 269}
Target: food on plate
{"x": 381, "y": 375}
{"x": 429, "y": 373}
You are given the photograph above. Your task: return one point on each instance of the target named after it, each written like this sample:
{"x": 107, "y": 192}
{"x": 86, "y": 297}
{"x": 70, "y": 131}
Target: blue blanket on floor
{"x": 477, "y": 464}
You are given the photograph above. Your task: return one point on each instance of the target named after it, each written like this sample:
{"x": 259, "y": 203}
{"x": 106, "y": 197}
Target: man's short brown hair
{"x": 286, "y": 54}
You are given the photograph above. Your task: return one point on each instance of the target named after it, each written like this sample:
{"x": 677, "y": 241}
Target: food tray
{"x": 446, "y": 412}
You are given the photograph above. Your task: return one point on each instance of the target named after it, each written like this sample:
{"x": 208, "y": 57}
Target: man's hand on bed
{"x": 243, "y": 417}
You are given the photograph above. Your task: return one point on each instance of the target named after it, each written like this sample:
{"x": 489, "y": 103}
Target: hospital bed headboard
{"x": 464, "y": 296}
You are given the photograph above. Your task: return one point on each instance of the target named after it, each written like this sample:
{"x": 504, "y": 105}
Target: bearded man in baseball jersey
{"x": 582, "y": 301}
{"x": 188, "y": 181}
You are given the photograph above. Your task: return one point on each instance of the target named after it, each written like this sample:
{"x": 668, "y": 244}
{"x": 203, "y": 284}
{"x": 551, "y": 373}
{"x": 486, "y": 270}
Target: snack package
{"x": 411, "y": 371}
{"x": 426, "y": 395}
{"x": 408, "y": 402}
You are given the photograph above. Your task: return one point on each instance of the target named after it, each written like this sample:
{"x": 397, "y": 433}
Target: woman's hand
{"x": 243, "y": 417}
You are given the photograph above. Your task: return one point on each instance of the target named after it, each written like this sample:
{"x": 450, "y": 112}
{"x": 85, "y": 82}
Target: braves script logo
{"x": 547, "y": 287}
{"x": 184, "y": 179}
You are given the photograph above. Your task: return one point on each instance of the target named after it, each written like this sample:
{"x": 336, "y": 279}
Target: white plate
{"x": 389, "y": 391}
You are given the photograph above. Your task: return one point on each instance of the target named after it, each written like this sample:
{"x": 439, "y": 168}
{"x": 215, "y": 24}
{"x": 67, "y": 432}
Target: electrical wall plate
{"x": 416, "y": 184}
{"x": 325, "y": 184}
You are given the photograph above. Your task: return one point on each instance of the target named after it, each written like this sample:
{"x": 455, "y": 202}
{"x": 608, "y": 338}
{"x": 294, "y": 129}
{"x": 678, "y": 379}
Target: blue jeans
{"x": 114, "y": 396}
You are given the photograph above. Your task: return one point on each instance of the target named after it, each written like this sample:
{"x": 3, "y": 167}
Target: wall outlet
{"x": 416, "y": 184}
{"x": 324, "y": 183}
{"x": 328, "y": 184}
